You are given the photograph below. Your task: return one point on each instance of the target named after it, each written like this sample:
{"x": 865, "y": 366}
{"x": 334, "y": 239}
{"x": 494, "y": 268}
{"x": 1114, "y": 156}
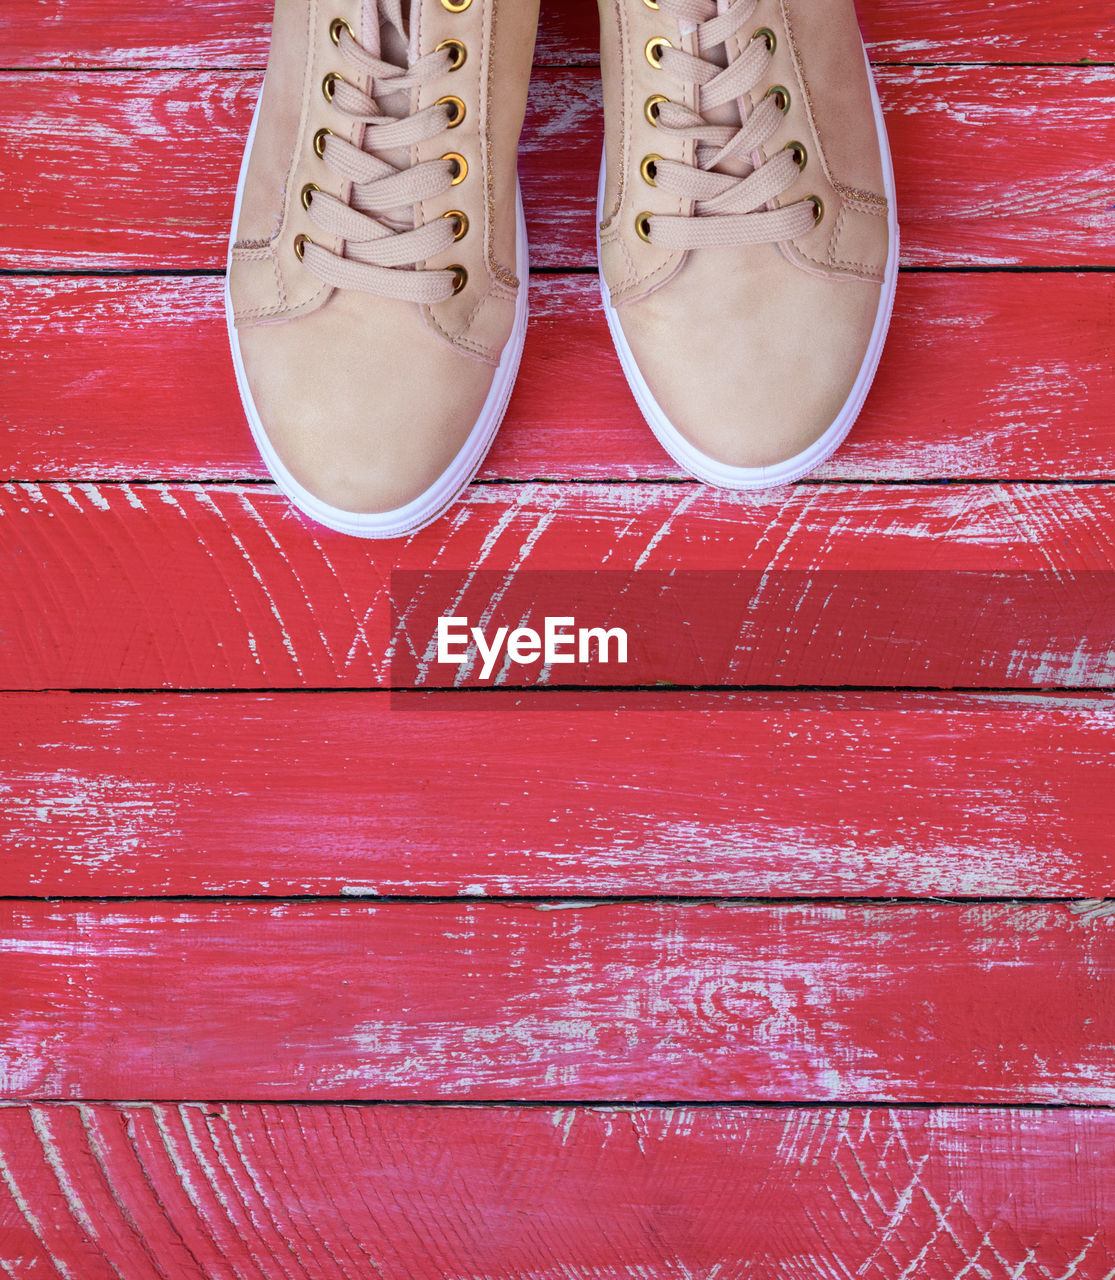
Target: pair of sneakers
{"x": 377, "y": 285}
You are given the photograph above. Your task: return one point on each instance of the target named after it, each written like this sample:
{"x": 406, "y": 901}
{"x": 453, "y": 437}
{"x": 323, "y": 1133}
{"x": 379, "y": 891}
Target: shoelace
{"x": 727, "y": 209}
{"x": 383, "y": 247}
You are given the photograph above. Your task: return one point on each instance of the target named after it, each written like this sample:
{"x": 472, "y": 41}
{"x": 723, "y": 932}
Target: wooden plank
{"x": 142, "y": 33}
{"x": 987, "y": 173}
{"x": 829, "y": 794}
{"x": 228, "y": 587}
{"x": 409, "y": 1193}
{"x": 917, "y": 31}
{"x": 1019, "y": 401}
{"x": 481, "y": 1001}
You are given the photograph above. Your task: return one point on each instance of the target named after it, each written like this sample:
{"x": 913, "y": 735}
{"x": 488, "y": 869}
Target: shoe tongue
{"x": 730, "y": 113}
{"x": 385, "y": 25}
{"x": 385, "y": 35}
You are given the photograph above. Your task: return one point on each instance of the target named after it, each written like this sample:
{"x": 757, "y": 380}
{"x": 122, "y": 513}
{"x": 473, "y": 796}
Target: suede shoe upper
{"x": 375, "y": 273}
{"x": 745, "y": 234}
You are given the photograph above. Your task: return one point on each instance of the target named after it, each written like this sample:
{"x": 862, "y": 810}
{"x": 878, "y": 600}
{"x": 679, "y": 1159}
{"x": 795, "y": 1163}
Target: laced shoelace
{"x": 382, "y": 244}
{"x": 728, "y": 209}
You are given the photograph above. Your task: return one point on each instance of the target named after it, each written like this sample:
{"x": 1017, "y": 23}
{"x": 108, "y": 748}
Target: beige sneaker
{"x": 747, "y": 235}
{"x": 377, "y": 283}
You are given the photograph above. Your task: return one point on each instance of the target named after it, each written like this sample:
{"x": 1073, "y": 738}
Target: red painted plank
{"x": 905, "y": 31}
{"x": 93, "y": 33}
{"x": 189, "y": 586}
{"x": 987, "y": 172}
{"x": 325, "y": 1000}
{"x": 1027, "y": 193}
{"x": 781, "y": 794}
{"x": 1019, "y": 401}
{"x": 411, "y": 1193}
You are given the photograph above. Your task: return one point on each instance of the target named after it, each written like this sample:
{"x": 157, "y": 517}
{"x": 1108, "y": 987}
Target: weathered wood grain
{"x": 347, "y": 793}
{"x": 95, "y": 33}
{"x": 326, "y": 1000}
{"x": 227, "y": 586}
{"x": 875, "y": 794}
{"x": 138, "y": 170}
{"x": 407, "y": 1193}
{"x": 970, "y": 387}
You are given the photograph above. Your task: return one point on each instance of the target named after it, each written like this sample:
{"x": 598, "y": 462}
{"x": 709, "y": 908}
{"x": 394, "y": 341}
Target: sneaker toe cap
{"x": 752, "y": 370}
{"x": 365, "y": 421}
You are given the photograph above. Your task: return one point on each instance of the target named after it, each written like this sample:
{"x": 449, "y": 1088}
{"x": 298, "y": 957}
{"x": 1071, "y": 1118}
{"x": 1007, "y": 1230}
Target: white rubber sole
{"x": 428, "y": 506}
{"x": 700, "y": 465}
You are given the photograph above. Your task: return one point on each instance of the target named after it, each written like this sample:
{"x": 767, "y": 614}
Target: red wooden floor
{"x": 306, "y": 976}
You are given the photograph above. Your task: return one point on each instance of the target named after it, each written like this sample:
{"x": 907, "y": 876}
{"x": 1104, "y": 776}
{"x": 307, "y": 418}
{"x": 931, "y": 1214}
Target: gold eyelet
{"x": 781, "y": 96}
{"x": 798, "y": 151}
{"x": 642, "y": 226}
{"x": 458, "y": 53}
{"x": 300, "y": 243}
{"x": 455, "y": 6}
{"x": 818, "y": 207}
{"x": 768, "y": 35}
{"x": 308, "y": 194}
{"x": 459, "y": 111}
{"x": 461, "y": 165}
{"x": 336, "y": 27}
{"x": 329, "y": 85}
{"x": 460, "y": 278}
{"x": 651, "y": 4}
{"x": 653, "y": 104}
{"x": 319, "y": 141}
{"x": 649, "y": 169}
{"x": 461, "y": 219}
{"x": 654, "y": 48}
